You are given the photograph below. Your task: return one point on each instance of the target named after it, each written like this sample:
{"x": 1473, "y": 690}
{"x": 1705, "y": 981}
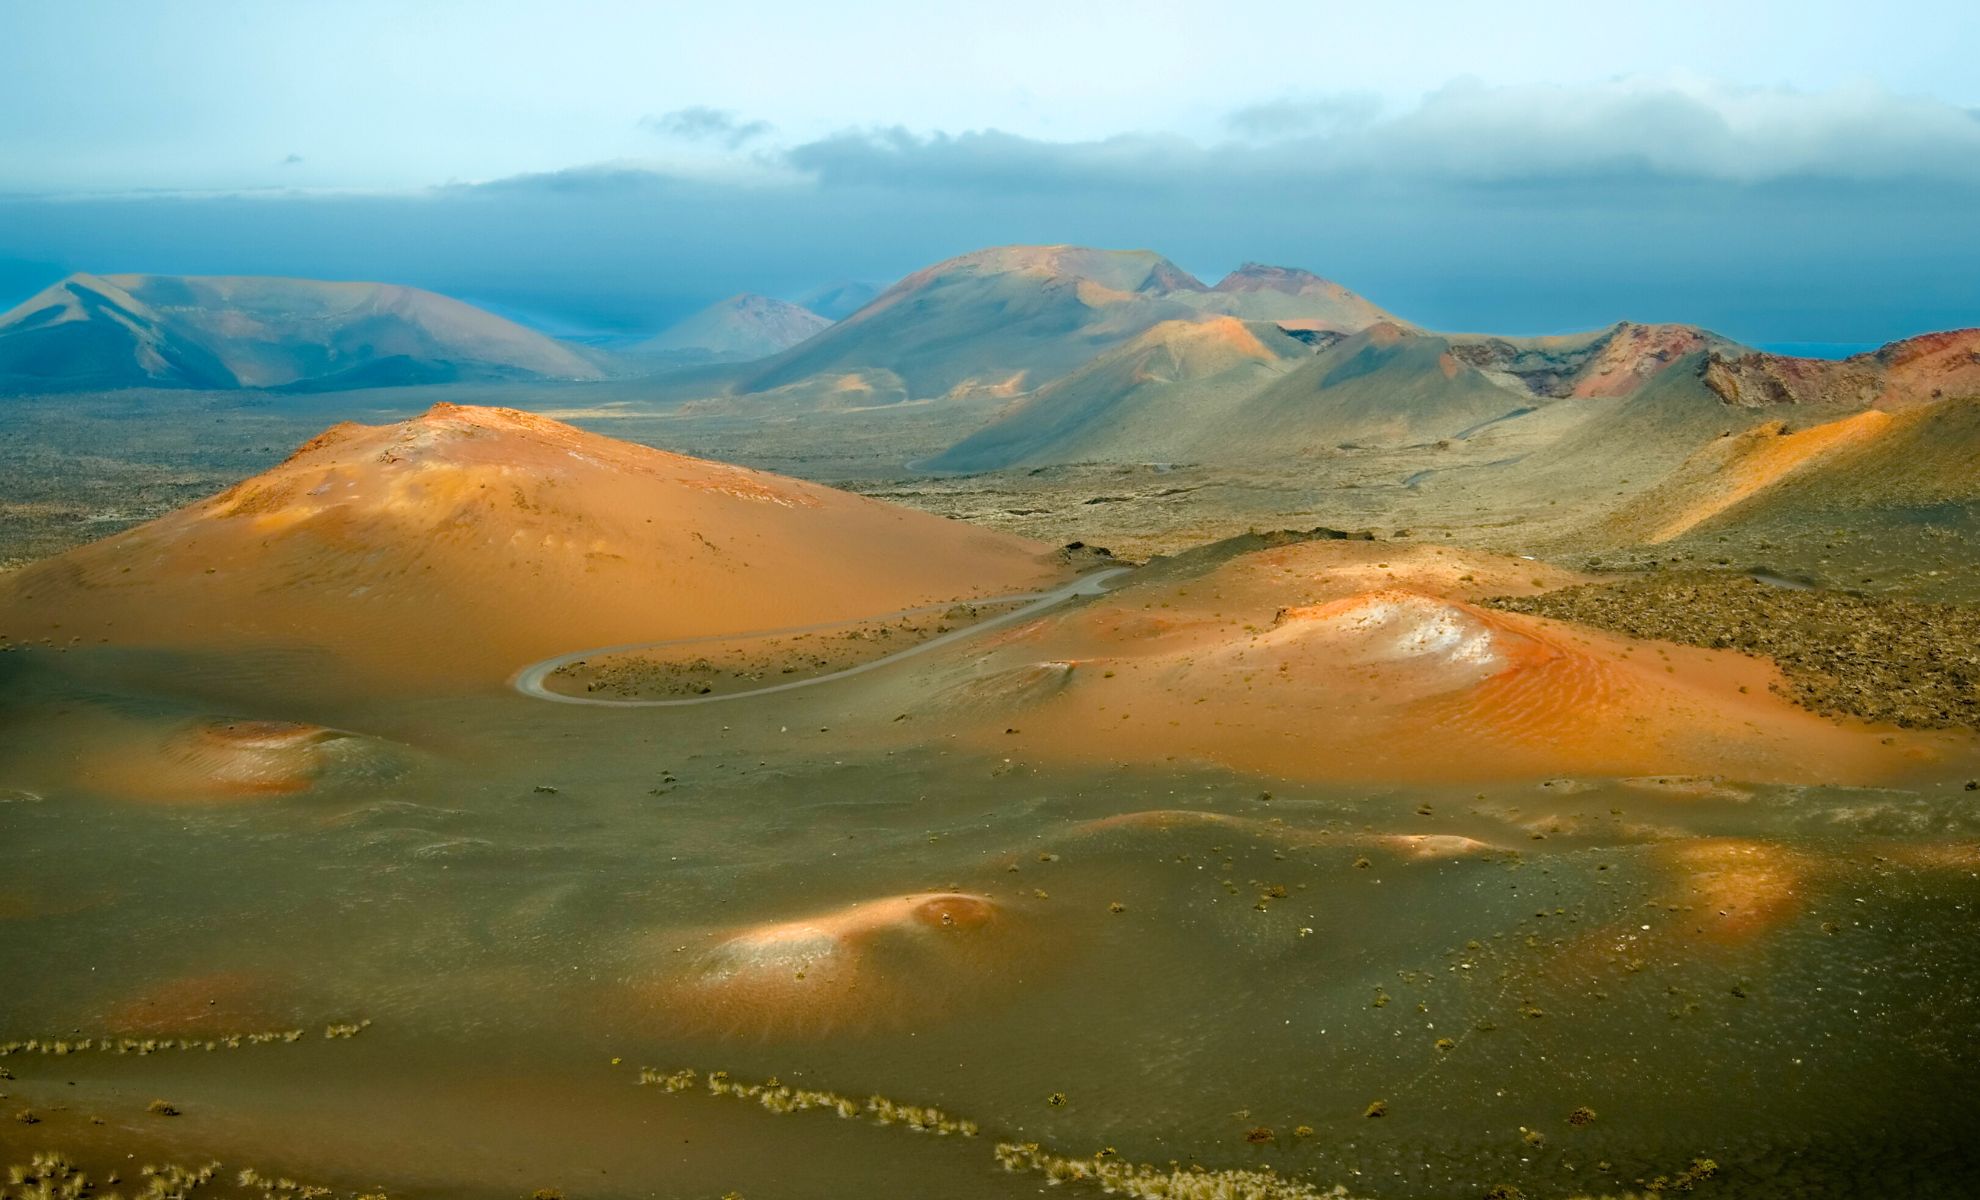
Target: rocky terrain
{"x": 1886, "y": 659}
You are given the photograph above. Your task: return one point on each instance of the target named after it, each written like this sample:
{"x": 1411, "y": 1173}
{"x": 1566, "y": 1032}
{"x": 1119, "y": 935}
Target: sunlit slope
{"x": 1783, "y": 441}
{"x": 1016, "y": 318}
{"x": 112, "y": 331}
{"x": 1366, "y": 661}
{"x": 1921, "y": 455}
{"x": 464, "y": 543}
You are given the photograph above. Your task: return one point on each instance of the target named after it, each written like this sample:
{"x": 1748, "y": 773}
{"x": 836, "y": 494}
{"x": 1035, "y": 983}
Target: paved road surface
{"x": 529, "y": 681}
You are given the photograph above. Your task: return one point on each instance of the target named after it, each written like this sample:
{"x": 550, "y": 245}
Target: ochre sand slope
{"x": 462, "y": 544}
{"x": 1737, "y": 468}
{"x": 1919, "y": 455}
{"x": 1372, "y": 661}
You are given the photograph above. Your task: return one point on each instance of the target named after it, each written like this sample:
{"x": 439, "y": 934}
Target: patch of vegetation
{"x": 1171, "y": 1182}
{"x": 782, "y": 1098}
{"x": 150, "y": 1045}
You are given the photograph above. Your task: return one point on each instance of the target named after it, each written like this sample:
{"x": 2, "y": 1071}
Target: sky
{"x": 1780, "y": 172}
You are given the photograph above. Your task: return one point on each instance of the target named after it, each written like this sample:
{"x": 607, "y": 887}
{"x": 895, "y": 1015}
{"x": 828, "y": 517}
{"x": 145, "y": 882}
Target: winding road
{"x": 530, "y": 680}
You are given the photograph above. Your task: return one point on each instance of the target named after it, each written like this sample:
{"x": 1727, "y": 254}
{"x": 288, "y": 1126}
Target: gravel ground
{"x": 1906, "y": 662}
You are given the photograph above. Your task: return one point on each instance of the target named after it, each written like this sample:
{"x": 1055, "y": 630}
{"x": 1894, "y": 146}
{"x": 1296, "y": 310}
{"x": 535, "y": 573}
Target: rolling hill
{"x": 92, "y": 332}
{"x": 455, "y": 547}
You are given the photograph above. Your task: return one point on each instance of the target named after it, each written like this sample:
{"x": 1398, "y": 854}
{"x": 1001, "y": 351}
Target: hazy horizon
{"x": 1797, "y": 177}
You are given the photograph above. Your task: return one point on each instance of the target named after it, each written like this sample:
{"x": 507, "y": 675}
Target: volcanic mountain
{"x": 1018, "y": 317}
{"x": 92, "y": 332}
{"x": 741, "y": 328}
{"x": 467, "y": 542}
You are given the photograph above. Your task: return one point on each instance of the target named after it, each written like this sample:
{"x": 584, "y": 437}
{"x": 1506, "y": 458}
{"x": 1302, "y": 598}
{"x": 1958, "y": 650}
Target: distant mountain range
{"x": 1013, "y": 319}
{"x": 741, "y": 328}
{"x": 98, "y": 332}
{"x": 1049, "y": 355}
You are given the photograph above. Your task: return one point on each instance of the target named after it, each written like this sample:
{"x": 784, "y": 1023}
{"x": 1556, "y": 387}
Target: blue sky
{"x": 1786, "y": 172}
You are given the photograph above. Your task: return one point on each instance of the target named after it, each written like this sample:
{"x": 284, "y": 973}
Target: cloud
{"x": 1278, "y": 119}
{"x": 703, "y": 124}
{"x": 1678, "y": 129}
{"x": 1769, "y": 215}
{"x": 992, "y": 160}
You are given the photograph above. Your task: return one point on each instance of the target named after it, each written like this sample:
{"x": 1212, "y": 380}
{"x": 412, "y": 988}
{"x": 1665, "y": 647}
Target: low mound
{"x": 96, "y": 332}
{"x": 1366, "y": 661}
{"x": 880, "y": 963}
{"x": 464, "y": 543}
{"x": 98, "y": 750}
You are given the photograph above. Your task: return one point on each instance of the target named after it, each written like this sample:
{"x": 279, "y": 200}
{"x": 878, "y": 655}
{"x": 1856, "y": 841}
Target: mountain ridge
{"x": 98, "y": 332}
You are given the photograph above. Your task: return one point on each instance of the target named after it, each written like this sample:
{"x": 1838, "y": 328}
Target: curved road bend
{"x": 530, "y": 680}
